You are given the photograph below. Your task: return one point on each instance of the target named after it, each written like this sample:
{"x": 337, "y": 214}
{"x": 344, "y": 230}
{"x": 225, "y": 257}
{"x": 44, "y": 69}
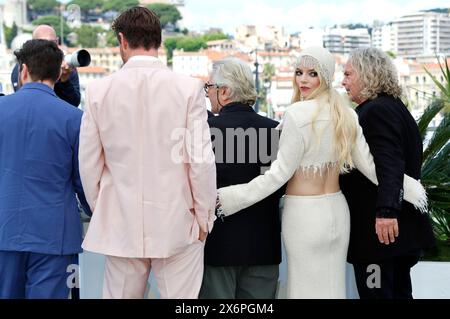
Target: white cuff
{"x": 228, "y": 201}
{"x": 415, "y": 193}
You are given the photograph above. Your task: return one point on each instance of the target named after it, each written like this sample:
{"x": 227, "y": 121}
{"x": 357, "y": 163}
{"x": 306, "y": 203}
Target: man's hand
{"x": 66, "y": 70}
{"x": 202, "y": 235}
{"x": 386, "y": 229}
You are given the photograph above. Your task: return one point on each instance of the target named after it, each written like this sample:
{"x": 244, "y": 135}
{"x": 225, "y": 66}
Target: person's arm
{"x": 91, "y": 155}
{"x": 201, "y": 162}
{"x": 76, "y": 180}
{"x": 383, "y": 131}
{"x": 69, "y": 90}
{"x": 412, "y": 189}
{"x": 237, "y": 197}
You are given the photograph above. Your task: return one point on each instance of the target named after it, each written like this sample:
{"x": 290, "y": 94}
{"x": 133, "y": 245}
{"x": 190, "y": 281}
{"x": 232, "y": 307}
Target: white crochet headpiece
{"x": 319, "y": 59}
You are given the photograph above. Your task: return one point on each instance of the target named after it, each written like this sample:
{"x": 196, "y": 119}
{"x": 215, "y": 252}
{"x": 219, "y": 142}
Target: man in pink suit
{"x": 147, "y": 167}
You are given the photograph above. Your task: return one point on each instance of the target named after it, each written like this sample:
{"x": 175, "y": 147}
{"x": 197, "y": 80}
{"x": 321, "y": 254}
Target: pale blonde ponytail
{"x": 344, "y": 130}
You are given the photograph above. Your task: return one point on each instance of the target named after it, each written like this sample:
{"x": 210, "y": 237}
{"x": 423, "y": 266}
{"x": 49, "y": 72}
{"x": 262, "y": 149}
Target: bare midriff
{"x": 310, "y": 183}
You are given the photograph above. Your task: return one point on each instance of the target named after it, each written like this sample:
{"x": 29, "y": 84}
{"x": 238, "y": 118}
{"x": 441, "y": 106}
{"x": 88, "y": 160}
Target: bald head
{"x": 45, "y": 32}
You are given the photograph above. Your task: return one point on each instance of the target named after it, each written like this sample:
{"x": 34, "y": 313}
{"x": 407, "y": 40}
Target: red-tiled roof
{"x": 282, "y": 78}
{"x": 214, "y": 55}
{"x": 113, "y": 50}
{"x": 273, "y": 54}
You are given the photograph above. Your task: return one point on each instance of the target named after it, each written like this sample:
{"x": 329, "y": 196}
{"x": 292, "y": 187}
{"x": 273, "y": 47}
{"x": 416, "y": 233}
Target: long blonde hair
{"x": 342, "y": 120}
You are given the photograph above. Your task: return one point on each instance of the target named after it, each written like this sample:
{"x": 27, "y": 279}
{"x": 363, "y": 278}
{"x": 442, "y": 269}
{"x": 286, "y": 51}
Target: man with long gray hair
{"x": 387, "y": 234}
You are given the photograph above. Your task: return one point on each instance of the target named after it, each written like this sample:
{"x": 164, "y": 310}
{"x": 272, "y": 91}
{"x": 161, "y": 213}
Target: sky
{"x": 296, "y": 15}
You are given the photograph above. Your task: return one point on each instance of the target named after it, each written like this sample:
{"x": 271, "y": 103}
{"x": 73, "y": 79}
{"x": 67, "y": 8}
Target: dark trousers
{"x": 33, "y": 276}
{"x": 389, "y": 279}
{"x": 75, "y": 292}
{"x": 240, "y": 282}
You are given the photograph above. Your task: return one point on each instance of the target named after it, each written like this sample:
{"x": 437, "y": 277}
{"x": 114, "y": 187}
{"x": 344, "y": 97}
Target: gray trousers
{"x": 242, "y": 282}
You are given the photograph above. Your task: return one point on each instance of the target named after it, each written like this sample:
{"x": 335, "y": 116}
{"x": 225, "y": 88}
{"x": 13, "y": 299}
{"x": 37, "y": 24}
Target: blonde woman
{"x": 320, "y": 139}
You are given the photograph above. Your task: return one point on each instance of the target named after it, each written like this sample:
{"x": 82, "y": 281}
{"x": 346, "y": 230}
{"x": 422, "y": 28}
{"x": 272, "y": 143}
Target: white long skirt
{"x": 316, "y": 232}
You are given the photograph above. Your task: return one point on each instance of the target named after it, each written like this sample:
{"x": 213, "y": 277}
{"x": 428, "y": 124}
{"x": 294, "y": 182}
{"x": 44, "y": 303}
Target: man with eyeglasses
{"x": 243, "y": 253}
{"x": 205, "y": 88}
{"x": 68, "y": 86}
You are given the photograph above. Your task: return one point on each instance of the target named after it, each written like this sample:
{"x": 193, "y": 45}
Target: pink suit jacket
{"x": 146, "y": 162}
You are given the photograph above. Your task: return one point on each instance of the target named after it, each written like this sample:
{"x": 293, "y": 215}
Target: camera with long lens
{"x": 77, "y": 59}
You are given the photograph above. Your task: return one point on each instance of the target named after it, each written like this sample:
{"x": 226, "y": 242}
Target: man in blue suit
{"x": 40, "y": 228}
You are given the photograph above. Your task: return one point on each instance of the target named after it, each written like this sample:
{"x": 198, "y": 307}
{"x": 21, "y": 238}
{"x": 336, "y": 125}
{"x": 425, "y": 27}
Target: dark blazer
{"x": 39, "y": 177}
{"x": 68, "y": 91}
{"x": 396, "y": 145}
{"x": 251, "y": 236}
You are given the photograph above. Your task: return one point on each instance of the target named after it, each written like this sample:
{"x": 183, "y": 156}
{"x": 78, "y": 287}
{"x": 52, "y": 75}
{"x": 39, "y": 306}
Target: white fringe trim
{"x": 416, "y": 194}
{"x": 314, "y": 169}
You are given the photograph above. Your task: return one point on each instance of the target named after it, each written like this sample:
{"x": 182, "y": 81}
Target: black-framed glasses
{"x": 208, "y": 85}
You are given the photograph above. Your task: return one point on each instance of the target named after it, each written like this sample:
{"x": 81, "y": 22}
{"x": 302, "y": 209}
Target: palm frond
{"x": 439, "y": 139}
{"x": 444, "y": 87}
{"x": 437, "y": 170}
{"x": 436, "y": 157}
{"x": 428, "y": 115}
{"x": 441, "y": 87}
{"x": 446, "y": 73}
{"x": 441, "y": 223}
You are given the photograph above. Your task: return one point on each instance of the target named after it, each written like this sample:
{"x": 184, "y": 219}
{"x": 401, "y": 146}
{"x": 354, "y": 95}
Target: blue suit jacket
{"x": 39, "y": 176}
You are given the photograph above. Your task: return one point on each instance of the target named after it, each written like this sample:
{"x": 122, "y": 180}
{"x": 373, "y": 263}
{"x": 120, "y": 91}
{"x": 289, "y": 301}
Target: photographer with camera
{"x": 68, "y": 86}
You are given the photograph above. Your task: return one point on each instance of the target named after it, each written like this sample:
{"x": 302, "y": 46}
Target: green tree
{"x": 191, "y": 44}
{"x": 353, "y": 26}
{"x": 170, "y": 44}
{"x": 214, "y": 36}
{"x": 55, "y": 22}
{"x": 10, "y": 33}
{"x": 111, "y": 39}
{"x": 188, "y": 44}
{"x": 167, "y": 13}
{"x": 267, "y": 75}
{"x": 268, "y": 72}
{"x": 43, "y": 5}
{"x": 118, "y": 5}
{"x": 391, "y": 54}
{"x": 438, "y": 10}
{"x": 87, "y": 36}
{"x": 87, "y": 5}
